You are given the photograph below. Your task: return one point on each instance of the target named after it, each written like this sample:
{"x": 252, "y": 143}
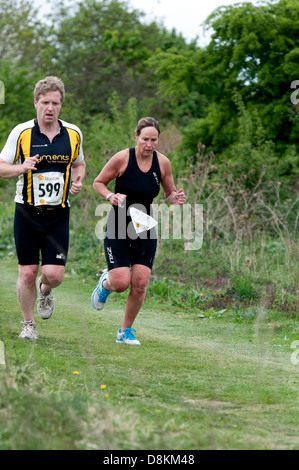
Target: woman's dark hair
{"x": 147, "y": 122}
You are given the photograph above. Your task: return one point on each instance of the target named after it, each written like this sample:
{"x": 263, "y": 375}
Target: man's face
{"x": 48, "y": 107}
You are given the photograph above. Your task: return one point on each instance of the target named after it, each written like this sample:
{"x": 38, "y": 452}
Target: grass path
{"x": 192, "y": 384}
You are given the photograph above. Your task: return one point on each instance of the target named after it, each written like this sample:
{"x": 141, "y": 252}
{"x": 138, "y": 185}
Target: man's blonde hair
{"x": 49, "y": 84}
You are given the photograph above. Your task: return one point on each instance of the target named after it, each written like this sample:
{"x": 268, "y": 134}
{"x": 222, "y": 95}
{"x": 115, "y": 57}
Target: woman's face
{"x": 147, "y": 141}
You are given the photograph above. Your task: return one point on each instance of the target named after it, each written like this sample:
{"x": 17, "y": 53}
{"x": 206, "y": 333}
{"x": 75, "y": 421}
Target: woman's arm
{"x": 113, "y": 168}
{"x": 172, "y": 195}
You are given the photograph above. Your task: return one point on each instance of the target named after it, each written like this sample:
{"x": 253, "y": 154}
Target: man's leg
{"x": 26, "y": 290}
{"x": 52, "y": 276}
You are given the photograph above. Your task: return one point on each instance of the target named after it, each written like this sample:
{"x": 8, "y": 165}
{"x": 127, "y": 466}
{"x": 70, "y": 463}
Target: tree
{"x": 21, "y": 33}
{"x": 22, "y": 39}
{"x": 253, "y": 52}
{"x": 103, "y": 46}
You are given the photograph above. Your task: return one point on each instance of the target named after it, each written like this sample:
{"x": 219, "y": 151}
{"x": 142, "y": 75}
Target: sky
{"x": 186, "y": 16}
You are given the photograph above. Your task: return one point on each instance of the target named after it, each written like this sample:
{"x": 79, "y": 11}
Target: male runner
{"x": 46, "y": 156}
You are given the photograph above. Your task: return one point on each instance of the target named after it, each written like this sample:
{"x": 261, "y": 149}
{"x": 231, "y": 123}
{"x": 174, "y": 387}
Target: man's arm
{"x": 11, "y": 171}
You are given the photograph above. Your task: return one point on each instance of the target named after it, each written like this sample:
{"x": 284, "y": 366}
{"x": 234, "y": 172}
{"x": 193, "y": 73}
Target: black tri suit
{"x": 123, "y": 246}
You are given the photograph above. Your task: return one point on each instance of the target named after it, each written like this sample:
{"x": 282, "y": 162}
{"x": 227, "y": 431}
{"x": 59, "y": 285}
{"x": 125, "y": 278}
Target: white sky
{"x": 186, "y": 16}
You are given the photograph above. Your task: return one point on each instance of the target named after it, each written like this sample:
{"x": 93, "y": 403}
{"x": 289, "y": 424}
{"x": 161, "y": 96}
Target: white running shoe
{"x": 28, "y": 330}
{"x": 127, "y": 337}
{"x": 45, "y": 305}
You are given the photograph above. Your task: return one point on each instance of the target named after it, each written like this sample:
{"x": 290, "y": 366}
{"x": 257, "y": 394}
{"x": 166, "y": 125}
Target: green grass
{"x": 195, "y": 382}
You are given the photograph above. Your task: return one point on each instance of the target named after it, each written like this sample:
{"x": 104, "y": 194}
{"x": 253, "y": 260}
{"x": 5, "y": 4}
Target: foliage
{"x": 251, "y": 55}
{"x": 102, "y": 46}
{"x": 22, "y": 37}
{"x": 234, "y": 95}
{"x": 21, "y": 33}
{"x": 256, "y": 57}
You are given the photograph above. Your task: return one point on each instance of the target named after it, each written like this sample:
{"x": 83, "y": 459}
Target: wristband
{"x": 108, "y": 196}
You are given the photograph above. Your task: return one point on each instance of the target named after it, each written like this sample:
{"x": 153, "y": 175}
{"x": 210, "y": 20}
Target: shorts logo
{"x": 60, "y": 256}
{"x": 110, "y": 255}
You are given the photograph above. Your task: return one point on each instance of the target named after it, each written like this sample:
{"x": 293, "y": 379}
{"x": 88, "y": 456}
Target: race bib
{"x": 48, "y": 188}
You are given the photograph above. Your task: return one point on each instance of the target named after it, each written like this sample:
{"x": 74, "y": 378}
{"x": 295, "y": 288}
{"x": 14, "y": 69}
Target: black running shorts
{"x": 42, "y": 232}
{"x": 126, "y": 252}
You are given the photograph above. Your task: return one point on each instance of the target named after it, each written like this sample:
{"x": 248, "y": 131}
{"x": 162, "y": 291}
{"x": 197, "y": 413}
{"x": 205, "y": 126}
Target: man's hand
{"x": 29, "y": 164}
{"x": 76, "y": 186}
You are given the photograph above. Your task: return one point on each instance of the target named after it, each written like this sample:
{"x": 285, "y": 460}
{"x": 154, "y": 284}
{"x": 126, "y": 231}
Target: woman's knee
{"x": 140, "y": 279}
{"x": 119, "y": 279}
{"x": 139, "y": 286}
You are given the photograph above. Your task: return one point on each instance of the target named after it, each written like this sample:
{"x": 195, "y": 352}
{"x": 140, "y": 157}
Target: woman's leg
{"x": 118, "y": 279}
{"x": 139, "y": 280}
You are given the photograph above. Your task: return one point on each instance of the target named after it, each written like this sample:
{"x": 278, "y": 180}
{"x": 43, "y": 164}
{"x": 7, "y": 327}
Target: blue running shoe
{"x": 100, "y": 294}
{"x": 126, "y": 337}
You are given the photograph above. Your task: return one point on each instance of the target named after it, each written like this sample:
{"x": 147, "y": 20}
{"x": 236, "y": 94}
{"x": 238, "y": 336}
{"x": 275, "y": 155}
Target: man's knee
{"x": 28, "y": 274}
{"x": 52, "y": 275}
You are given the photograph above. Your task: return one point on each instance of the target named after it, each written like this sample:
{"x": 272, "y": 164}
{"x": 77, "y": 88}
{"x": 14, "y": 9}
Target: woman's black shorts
{"x": 126, "y": 252}
{"x": 42, "y": 232}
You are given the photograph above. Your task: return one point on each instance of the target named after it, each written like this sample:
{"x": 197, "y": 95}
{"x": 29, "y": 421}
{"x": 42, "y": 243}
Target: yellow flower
{"x": 76, "y": 372}
{"x": 103, "y": 387}
{"x": 106, "y": 395}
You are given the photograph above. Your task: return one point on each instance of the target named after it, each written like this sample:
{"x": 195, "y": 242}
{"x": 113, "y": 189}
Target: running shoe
{"x": 127, "y": 337}
{"x": 100, "y": 294}
{"x": 45, "y": 305}
{"x": 28, "y": 330}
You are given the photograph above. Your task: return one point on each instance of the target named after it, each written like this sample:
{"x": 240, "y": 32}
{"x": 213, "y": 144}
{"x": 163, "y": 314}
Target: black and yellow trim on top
{"x": 57, "y": 156}
{"x": 75, "y": 144}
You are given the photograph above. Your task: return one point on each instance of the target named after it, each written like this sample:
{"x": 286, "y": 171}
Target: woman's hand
{"x": 117, "y": 199}
{"x": 177, "y": 197}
